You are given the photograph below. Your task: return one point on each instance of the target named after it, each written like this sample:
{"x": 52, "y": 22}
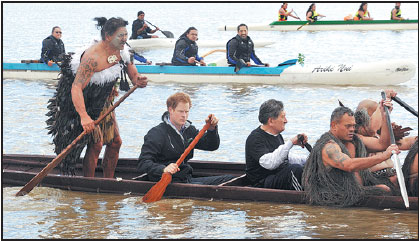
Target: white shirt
{"x": 274, "y": 159}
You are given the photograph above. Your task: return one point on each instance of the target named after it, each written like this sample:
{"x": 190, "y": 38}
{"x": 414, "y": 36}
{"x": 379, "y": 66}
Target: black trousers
{"x": 214, "y": 180}
{"x": 286, "y": 178}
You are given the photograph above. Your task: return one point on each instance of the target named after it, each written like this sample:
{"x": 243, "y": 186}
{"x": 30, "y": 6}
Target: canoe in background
{"x": 391, "y": 72}
{"x": 331, "y": 25}
{"x": 19, "y": 169}
{"x": 142, "y": 44}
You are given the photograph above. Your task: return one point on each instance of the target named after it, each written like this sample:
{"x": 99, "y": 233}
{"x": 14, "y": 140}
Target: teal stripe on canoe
{"x": 154, "y": 69}
{"x": 341, "y": 22}
{"x": 30, "y": 66}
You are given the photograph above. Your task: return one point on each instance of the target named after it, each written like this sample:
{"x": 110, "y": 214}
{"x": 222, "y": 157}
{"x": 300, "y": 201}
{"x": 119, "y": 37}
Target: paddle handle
{"x": 405, "y": 105}
{"x": 193, "y": 143}
{"x": 44, "y": 172}
{"x": 307, "y": 145}
{"x": 213, "y": 51}
{"x": 388, "y": 120}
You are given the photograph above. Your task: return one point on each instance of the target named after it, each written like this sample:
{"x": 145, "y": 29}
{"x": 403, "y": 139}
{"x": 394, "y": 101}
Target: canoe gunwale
{"x": 175, "y": 190}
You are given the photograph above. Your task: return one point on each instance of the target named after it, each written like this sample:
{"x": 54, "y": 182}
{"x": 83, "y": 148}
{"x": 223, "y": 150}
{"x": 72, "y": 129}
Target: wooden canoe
{"x": 19, "y": 169}
{"x": 331, "y": 25}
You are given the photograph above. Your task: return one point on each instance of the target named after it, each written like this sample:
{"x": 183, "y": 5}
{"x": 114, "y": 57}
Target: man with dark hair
{"x": 269, "y": 163}
{"x": 166, "y": 142}
{"x": 84, "y": 92}
{"x": 240, "y": 49}
{"x": 53, "y": 47}
{"x": 140, "y": 28}
{"x": 336, "y": 170}
{"x": 396, "y": 12}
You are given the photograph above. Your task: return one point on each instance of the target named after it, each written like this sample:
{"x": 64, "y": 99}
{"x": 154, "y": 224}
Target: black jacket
{"x": 52, "y": 48}
{"x": 257, "y": 145}
{"x": 237, "y": 49}
{"x": 163, "y": 145}
{"x": 138, "y": 24}
{"x": 184, "y": 49}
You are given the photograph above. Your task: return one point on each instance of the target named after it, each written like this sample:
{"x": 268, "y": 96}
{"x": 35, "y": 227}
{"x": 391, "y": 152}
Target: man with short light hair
{"x": 166, "y": 142}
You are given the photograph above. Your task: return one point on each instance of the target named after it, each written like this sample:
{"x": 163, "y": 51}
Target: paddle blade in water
{"x": 157, "y": 191}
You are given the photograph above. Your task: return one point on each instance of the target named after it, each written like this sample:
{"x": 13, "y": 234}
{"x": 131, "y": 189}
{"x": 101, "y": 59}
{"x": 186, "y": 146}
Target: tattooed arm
{"x": 135, "y": 77}
{"x": 334, "y": 157}
{"x": 86, "y": 69}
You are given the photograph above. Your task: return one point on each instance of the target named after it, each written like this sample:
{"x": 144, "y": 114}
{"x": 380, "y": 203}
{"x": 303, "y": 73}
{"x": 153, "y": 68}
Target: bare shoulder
{"x": 333, "y": 156}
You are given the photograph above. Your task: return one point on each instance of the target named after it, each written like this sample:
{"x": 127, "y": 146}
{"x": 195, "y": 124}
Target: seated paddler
{"x": 240, "y": 49}
{"x": 53, "y": 47}
{"x": 337, "y": 170}
{"x": 165, "y": 143}
{"x": 269, "y": 161}
{"x": 186, "y": 49}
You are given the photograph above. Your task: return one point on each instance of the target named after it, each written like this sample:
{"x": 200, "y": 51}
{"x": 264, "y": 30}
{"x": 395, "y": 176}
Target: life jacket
{"x": 358, "y": 17}
{"x": 314, "y": 15}
{"x": 398, "y": 14}
{"x": 283, "y": 17}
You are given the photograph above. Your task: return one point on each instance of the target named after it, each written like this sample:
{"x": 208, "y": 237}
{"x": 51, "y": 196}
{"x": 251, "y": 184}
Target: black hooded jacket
{"x": 52, "y": 48}
{"x": 163, "y": 145}
{"x": 185, "y": 49}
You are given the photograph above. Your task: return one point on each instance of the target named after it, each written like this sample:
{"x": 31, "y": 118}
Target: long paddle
{"x": 213, "y": 51}
{"x": 38, "y": 178}
{"x": 157, "y": 191}
{"x": 168, "y": 34}
{"x": 309, "y": 22}
{"x": 395, "y": 158}
{"x": 406, "y": 106}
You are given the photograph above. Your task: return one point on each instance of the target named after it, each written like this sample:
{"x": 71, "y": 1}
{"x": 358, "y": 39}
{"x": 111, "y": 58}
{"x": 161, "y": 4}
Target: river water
{"x": 52, "y": 213}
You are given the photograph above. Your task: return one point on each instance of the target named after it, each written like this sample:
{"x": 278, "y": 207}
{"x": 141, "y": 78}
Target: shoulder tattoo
{"x": 335, "y": 154}
{"x": 86, "y": 69}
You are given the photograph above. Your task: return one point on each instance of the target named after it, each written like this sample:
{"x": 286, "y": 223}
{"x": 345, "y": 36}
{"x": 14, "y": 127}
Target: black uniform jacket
{"x": 163, "y": 145}
{"x": 52, "y": 48}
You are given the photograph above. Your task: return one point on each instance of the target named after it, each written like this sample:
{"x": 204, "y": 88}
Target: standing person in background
{"x": 283, "y": 13}
{"x": 140, "y": 29}
{"x": 362, "y": 13}
{"x": 52, "y": 47}
{"x": 186, "y": 49}
{"x": 396, "y": 12}
{"x": 311, "y": 14}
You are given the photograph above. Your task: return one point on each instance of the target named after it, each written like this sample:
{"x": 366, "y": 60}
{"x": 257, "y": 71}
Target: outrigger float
{"x": 330, "y": 25}
{"x": 390, "y": 72}
{"x": 19, "y": 169}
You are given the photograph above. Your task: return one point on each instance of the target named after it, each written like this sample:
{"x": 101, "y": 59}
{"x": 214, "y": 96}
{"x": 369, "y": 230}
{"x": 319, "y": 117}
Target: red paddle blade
{"x": 156, "y": 192}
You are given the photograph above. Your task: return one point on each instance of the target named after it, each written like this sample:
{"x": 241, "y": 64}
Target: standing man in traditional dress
{"x": 84, "y": 90}
{"x": 336, "y": 170}
{"x": 269, "y": 163}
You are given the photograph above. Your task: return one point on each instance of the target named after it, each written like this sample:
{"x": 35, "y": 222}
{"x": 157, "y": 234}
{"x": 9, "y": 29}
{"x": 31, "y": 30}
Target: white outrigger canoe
{"x": 141, "y": 44}
{"x": 390, "y": 72}
{"x": 330, "y": 25}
